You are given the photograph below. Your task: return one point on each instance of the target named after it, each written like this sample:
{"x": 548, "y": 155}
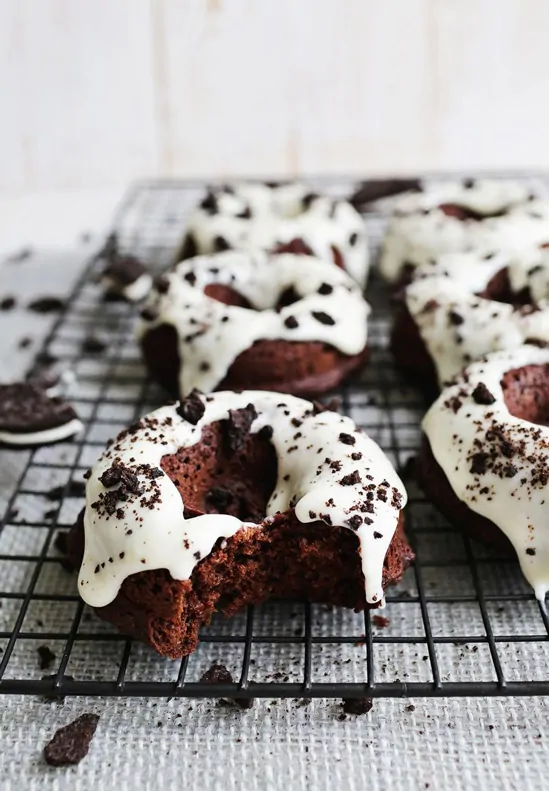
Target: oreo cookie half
{"x": 28, "y": 416}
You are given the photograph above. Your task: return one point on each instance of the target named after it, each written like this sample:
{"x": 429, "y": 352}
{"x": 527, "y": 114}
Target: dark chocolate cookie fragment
{"x": 25, "y": 410}
{"x": 191, "y": 408}
{"x": 237, "y": 427}
{"x": 218, "y": 674}
{"x": 357, "y": 705}
{"x": 372, "y": 190}
{"x": 71, "y": 743}
{"x": 46, "y": 305}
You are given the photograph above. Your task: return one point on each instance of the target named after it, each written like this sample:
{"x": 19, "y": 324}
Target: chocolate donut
{"x": 466, "y": 305}
{"x": 488, "y": 216}
{"x": 484, "y": 460}
{"x": 231, "y": 499}
{"x": 239, "y": 319}
{"x": 268, "y": 216}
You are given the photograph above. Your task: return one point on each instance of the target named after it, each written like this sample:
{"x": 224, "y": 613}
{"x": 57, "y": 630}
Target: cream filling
{"x": 45, "y": 437}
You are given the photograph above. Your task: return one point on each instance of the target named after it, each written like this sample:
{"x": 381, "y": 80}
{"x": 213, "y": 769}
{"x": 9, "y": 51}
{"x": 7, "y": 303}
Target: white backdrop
{"x": 95, "y": 92}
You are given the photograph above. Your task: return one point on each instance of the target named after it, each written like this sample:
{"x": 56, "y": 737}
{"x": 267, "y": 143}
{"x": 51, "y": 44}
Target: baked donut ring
{"x": 252, "y": 215}
{"x": 240, "y": 319}
{"x": 466, "y": 305}
{"x": 484, "y": 460}
{"x": 231, "y": 499}
{"x": 490, "y": 216}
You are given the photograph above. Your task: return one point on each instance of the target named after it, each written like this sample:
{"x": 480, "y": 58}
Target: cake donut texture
{"x": 485, "y": 456}
{"x": 267, "y": 216}
{"x": 230, "y": 499}
{"x": 466, "y": 305}
{"x": 250, "y": 319}
{"x": 413, "y": 239}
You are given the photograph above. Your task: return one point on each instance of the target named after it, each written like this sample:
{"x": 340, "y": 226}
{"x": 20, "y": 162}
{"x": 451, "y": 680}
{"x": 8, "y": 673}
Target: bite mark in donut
{"x": 246, "y": 504}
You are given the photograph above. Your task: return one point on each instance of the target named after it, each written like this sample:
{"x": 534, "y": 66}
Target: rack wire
{"x": 462, "y": 621}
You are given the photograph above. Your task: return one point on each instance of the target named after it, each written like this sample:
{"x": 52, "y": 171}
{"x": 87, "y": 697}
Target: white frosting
{"x": 46, "y": 437}
{"x": 485, "y": 196}
{"x": 512, "y": 488}
{"x": 278, "y": 215}
{"x": 414, "y": 239}
{"x": 211, "y": 334}
{"x": 156, "y": 535}
{"x": 457, "y": 326}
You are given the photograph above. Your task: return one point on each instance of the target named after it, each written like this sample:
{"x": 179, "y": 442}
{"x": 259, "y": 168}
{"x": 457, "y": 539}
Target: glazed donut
{"x": 466, "y": 305}
{"x": 489, "y": 221}
{"x": 271, "y": 216}
{"x": 231, "y": 499}
{"x": 249, "y": 319}
{"x": 484, "y": 460}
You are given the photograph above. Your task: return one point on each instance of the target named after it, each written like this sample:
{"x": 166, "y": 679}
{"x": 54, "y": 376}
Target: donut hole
{"x": 463, "y": 213}
{"x": 213, "y": 478}
{"x": 526, "y": 393}
{"x": 499, "y": 289}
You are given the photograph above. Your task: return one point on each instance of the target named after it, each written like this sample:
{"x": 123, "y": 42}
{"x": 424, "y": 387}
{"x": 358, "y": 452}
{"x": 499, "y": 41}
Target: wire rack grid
{"x": 461, "y": 622}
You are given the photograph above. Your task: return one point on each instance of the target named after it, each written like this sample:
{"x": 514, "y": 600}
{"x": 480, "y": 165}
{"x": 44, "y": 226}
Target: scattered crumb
{"x": 25, "y": 342}
{"x": 46, "y": 305}
{"x": 46, "y": 657}
{"x": 71, "y": 743}
{"x": 357, "y": 705}
{"x": 380, "y": 621}
{"x": 218, "y": 674}
{"x": 8, "y": 303}
{"x": 93, "y": 345}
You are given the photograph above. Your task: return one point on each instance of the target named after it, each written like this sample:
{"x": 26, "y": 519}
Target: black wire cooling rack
{"x": 461, "y": 622}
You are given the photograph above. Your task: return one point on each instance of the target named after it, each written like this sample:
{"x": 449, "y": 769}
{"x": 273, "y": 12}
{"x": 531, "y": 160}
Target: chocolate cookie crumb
{"x": 291, "y": 322}
{"x": 322, "y": 317}
{"x": 93, "y": 345}
{"x": 375, "y": 189}
{"x": 351, "y": 479}
{"x": 46, "y": 657}
{"x": 218, "y": 674}
{"x": 46, "y": 305}
{"x": 357, "y": 705}
{"x": 380, "y": 621}
{"x": 24, "y": 342}
{"x": 481, "y": 395}
{"x": 237, "y": 427}
{"x": 71, "y": 743}
{"x": 7, "y": 303}
{"x": 191, "y": 408}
